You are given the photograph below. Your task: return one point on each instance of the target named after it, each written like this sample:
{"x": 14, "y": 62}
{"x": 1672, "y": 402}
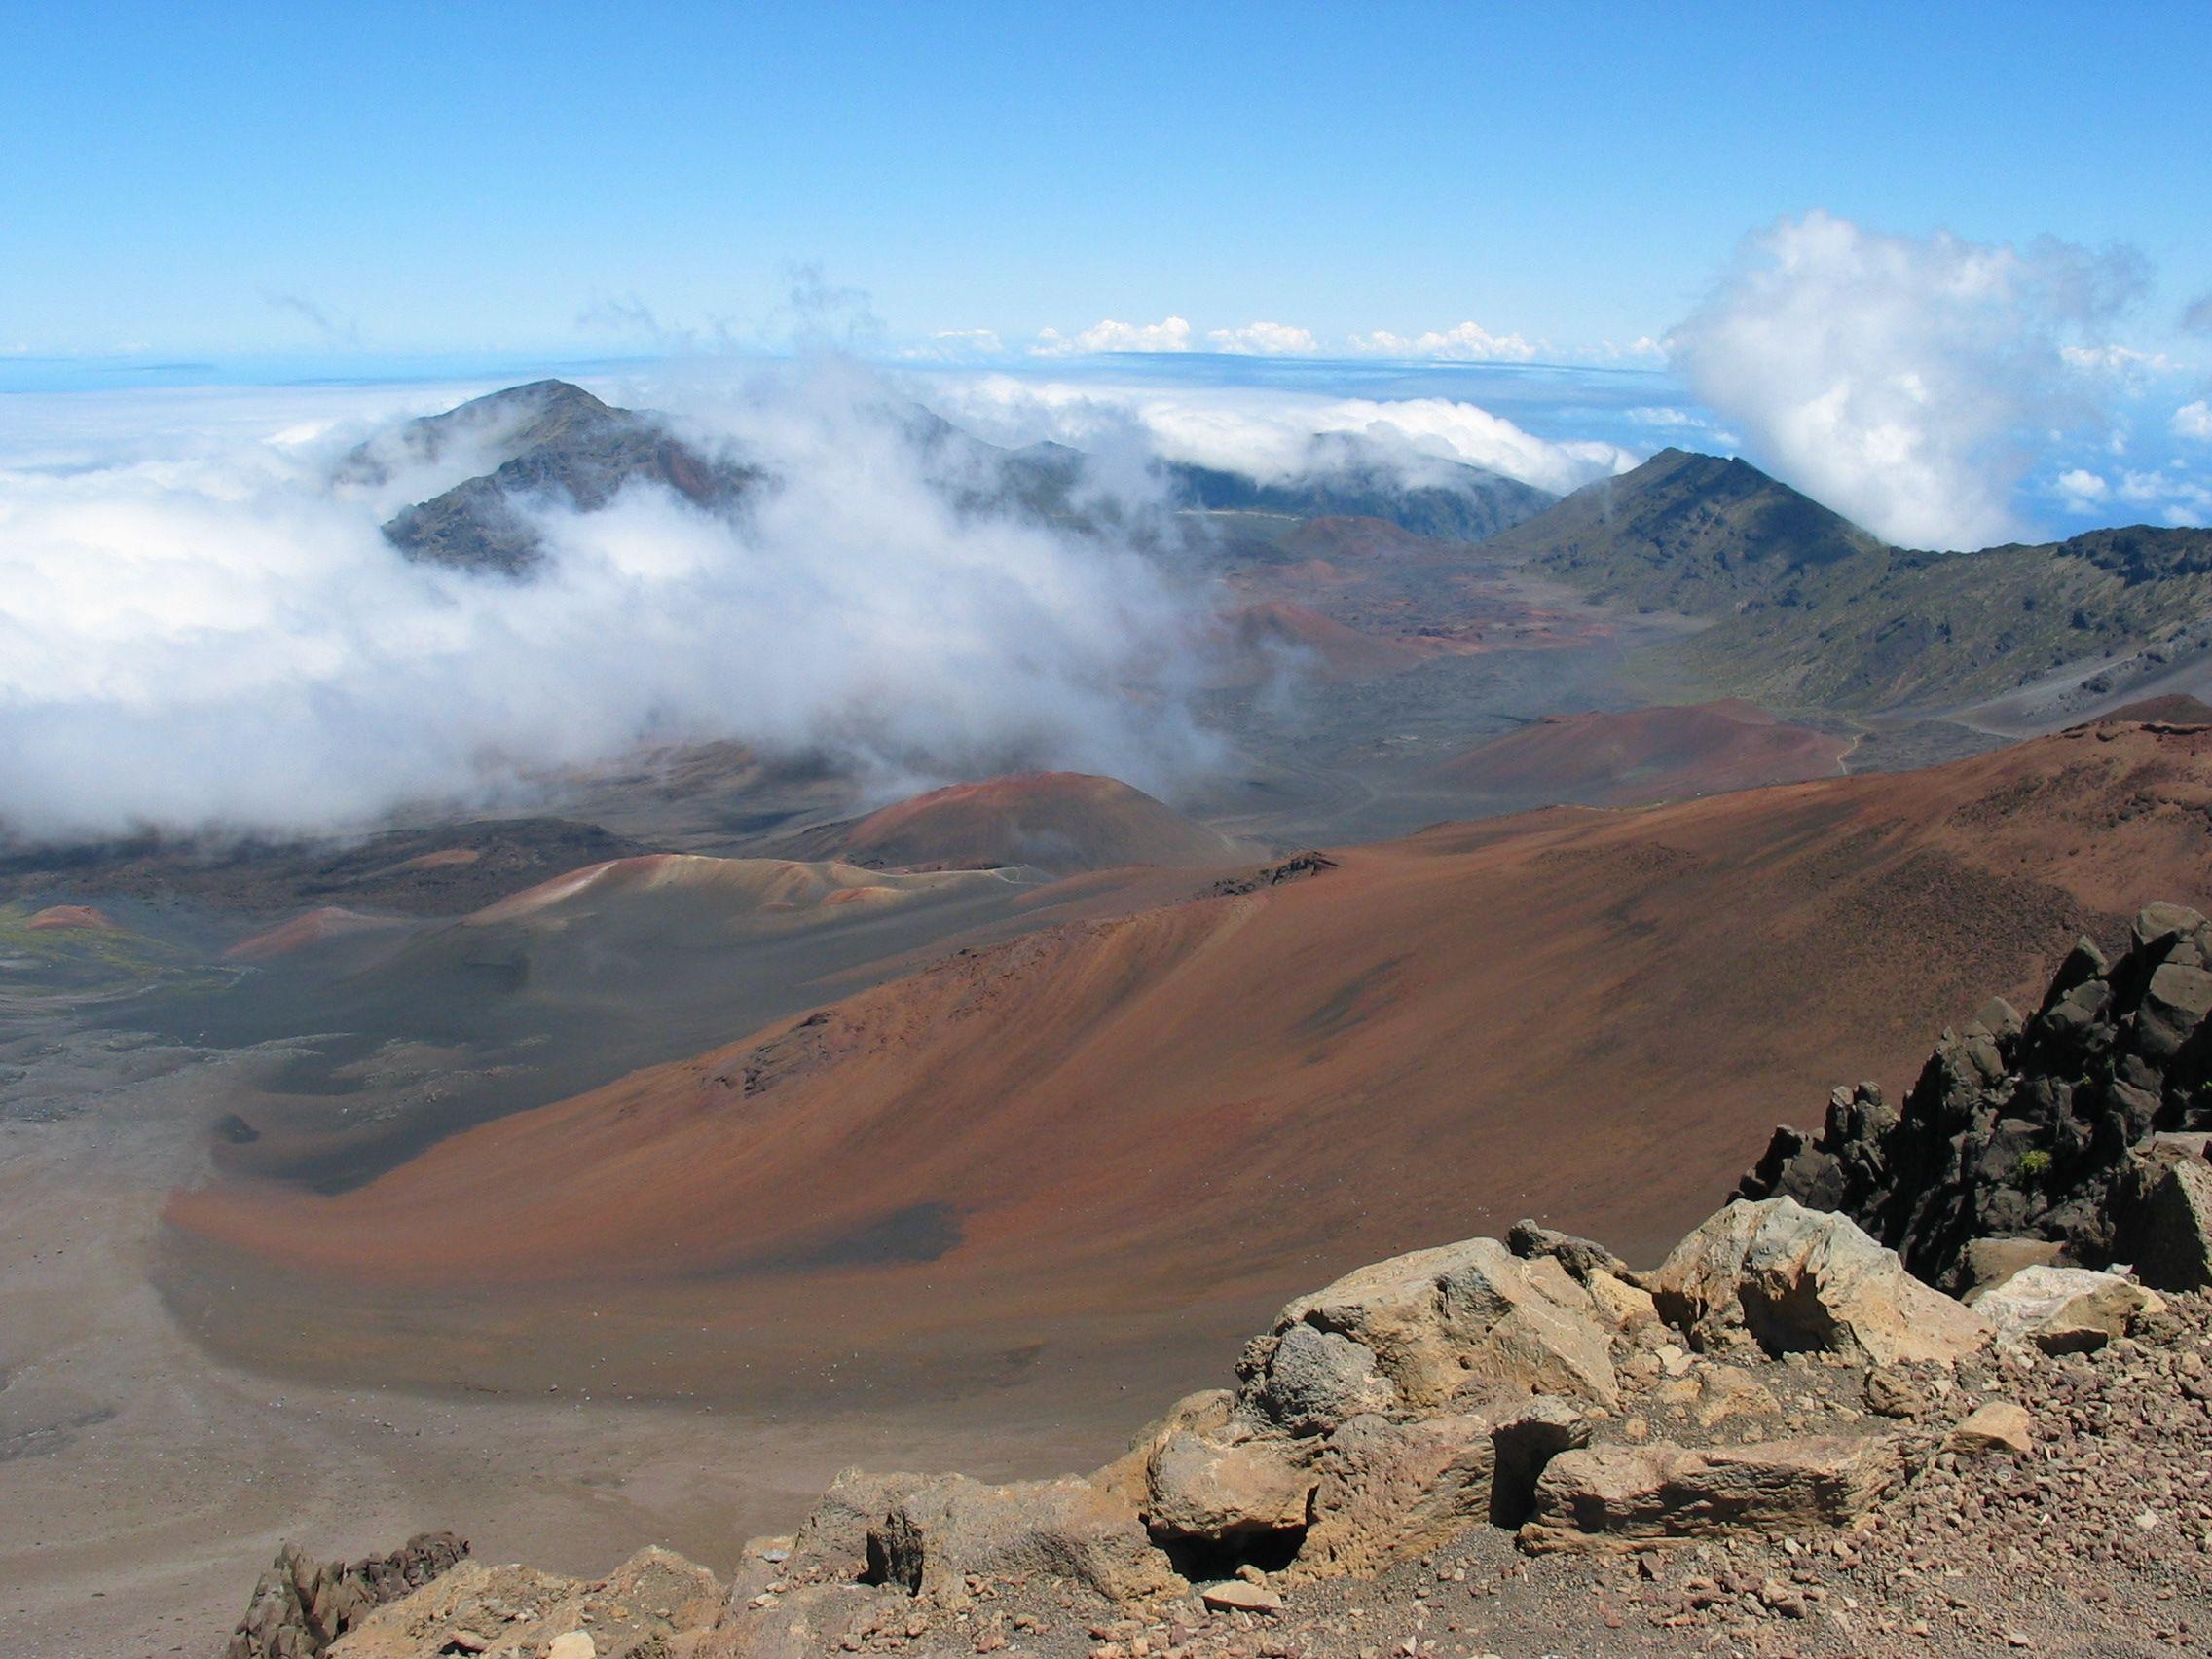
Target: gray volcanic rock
{"x": 560, "y": 445}
{"x": 2053, "y": 1128}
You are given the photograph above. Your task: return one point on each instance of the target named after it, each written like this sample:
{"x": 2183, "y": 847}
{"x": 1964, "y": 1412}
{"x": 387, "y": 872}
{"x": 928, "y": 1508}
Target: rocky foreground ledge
{"x": 1778, "y": 1440}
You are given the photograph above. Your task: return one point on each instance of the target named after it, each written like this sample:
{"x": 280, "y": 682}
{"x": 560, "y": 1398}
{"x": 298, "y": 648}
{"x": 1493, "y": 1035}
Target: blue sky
{"x": 1932, "y": 265}
{"x": 378, "y": 179}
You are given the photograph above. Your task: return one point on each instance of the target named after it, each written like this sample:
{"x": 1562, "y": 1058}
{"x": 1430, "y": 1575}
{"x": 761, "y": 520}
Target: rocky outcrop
{"x": 637, "y": 1611}
{"x": 2077, "y": 1127}
{"x": 1793, "y": 1280}
{"x": 302, "y": 1605}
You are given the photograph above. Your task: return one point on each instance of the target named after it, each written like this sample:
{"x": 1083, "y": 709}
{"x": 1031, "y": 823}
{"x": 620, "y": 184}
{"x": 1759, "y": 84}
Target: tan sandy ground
{"x": 143, "y": 1487}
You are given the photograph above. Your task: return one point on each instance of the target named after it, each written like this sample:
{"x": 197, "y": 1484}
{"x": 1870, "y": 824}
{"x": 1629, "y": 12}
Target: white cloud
{"x": 198, "y": 631}
{"x": 2193, "y": 420}
{"x": 1905, "y": 382}
{"x": 1268, "y": 433}
{"x": 1266, "y": 340}
{"x": 1467, "y": 343}
{"x": 2172, "y": 500}
{"x": 2083, "y": 490}
{"x": 1169, "y": 334}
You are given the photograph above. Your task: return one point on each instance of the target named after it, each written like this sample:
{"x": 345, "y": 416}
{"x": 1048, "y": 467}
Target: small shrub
{"x": 2034, "y": 1165}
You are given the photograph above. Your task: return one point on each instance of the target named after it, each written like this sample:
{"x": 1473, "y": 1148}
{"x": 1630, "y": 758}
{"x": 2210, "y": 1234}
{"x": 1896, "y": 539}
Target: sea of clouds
{"x": 200, "y": 630}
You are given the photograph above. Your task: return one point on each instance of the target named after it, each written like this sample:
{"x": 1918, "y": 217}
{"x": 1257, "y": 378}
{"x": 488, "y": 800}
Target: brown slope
{"x": 307, "y": 930}
{"x": 2173, "y": 710}
{"x": 1062, "y": 822}
{"x": 1645, "y": 754}
{"x": 1591, "y": 1017}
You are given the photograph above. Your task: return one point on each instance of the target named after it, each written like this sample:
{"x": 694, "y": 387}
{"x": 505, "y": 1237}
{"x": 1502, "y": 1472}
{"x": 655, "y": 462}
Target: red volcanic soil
{"x": 1647, "y": 754}
{"x": 70, "y": 916}
{"x": 1062, "y": 822}
{"x": 331, "y": 921}
{"x": 1593, "y": 1017}
{"x": 1334, "y": 650}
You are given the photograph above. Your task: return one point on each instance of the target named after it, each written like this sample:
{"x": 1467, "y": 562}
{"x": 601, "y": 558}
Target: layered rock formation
{"x": 2074, "y": 1136}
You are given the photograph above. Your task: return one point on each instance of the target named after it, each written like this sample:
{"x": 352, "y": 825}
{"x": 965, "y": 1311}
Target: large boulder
{"x": 1792, "y": 1280}
{"x": 952, "y": 1529}
{"x": 2064, "y": 1310}
{"x": 1223, "y": 1481}
{"x": 1419, "y": 1333}
{"x": 1310, "y": 1380}
{"x": 1617, "y": 1496}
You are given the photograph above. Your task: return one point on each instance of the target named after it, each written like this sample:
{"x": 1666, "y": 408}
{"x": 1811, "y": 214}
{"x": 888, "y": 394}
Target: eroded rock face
{"x": 2029, "y": 1129}
{"x": 1393, "y": 1489}
{"x": 1618, "y": 1495}
{"x": 1791, "y": 1279}
{"x": 831, "y": 1544}
{"x": 1420, "y": 1331}
{"x": 302, "y": 1605}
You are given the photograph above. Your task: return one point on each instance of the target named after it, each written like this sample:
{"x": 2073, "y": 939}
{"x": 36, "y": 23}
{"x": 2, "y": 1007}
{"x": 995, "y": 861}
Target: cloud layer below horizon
{"x": 198, "y": 632}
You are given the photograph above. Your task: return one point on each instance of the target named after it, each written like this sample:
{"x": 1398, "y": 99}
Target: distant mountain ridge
{"x": 552, "y": 441}
{"x": 558, "y": 443}
{"x": 1812, "y": 610}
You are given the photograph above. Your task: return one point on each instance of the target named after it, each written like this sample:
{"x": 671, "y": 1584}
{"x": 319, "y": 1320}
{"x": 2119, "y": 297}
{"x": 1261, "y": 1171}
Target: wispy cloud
{"x": 331, "y": 326}
{"x": 956, "y": 345}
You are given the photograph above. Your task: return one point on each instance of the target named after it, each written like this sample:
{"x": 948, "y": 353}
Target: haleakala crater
{"x": 1205, "y": 838}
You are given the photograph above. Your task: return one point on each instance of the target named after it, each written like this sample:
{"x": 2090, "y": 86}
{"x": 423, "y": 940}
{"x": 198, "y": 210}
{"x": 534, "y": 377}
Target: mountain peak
{"x": 1687, "y": 531}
